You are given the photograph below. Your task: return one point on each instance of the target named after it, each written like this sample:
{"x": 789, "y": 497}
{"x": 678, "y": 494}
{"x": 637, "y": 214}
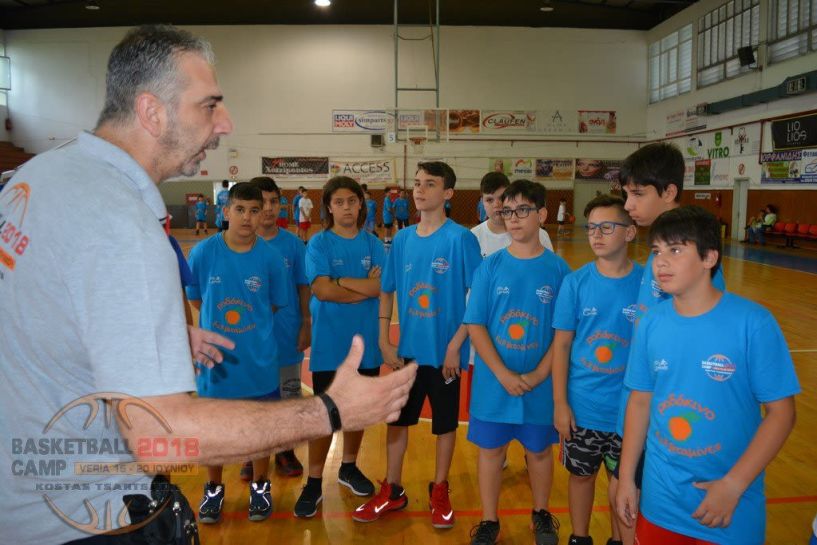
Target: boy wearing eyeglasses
{"x": 593, "y": 324}
{"x": 509, "y": 316}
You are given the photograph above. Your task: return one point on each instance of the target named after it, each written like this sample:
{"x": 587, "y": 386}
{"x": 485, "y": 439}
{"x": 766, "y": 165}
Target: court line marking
{"x": 476, "y": 513}
{"x": 803, "y": 350}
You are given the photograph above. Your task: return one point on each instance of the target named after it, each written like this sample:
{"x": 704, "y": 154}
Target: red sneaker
{"x": 442, "y": 515}
{"x": 288, "y": 464}
{"x": 383, "y": 502}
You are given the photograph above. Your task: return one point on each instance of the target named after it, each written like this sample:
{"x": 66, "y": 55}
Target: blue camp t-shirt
{"x": 649, "y": 295}
{"x": 481, "y": 211}
{"x": 430, "y": 276}
{"x": 708, "y": 375}
{"x": 388, "y": 208}
{"x": 514, "y": 299}
{"x": 185, "y": 275}
{"x": 334, "y": 324}
{"x": 371, "y": 211}
{"x": 201, "y": 211}
{"x": 221, "y": 201}
{"x": 601, "y": 312}
{"x": 401, "y": 209}
{"x": 296, "y": 211}
{"x": 237, "y": 292}
{"x": 288, "y": 319}
{"x": 284, "y": 211}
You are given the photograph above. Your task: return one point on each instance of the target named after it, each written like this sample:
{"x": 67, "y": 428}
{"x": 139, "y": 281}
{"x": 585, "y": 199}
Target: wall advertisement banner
{"x": 295, "y": 168}
{"x": 597, "y": 170}
{"x": 557, "y": 121}
{"x": 365, "y": 121}
{"x": 780, "y": 167}
{"x": 703, "y": 172}
{"x": 808, "y": 165}
{"x": 795, "y": 133}
{"x": 507, "y": 121}
{"x": 553, "y": 169}
{"x": 597, "y": 122}
{"x": 364, "y": 171}
{"x": 463, "y": 121}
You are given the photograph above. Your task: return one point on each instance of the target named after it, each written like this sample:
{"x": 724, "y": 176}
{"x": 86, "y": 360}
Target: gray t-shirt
{"x": 91, "y": 302}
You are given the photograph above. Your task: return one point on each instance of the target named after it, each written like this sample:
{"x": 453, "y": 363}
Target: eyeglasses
{"x": 522, "y": 212}
{"x": 606, "y": 227}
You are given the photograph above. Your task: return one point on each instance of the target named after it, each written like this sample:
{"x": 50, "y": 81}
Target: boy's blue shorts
{"x": 534, "y": 437}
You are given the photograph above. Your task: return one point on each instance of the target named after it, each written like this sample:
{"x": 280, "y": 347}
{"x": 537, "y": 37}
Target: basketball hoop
{"x": 418, "y": 144}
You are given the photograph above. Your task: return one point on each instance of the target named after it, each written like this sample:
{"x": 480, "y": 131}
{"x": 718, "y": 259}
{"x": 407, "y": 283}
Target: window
{"x": 721, "y": 32}
{"x": 670, "y": 65}
{"x": 793, "y": 28}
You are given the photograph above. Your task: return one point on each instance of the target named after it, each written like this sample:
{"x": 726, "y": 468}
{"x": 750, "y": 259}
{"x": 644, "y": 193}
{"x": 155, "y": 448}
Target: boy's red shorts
{"x": 305, "y": 225}
{"x": 647, "y": 533}
{"x": 282, "y": 222}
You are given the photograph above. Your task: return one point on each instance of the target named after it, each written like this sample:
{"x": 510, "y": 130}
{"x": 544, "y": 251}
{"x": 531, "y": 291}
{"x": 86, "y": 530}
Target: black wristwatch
{"x": 332, "y": 409}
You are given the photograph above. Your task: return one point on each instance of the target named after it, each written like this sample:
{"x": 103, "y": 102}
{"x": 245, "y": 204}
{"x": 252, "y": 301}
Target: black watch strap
{"x": 332, "y": 409}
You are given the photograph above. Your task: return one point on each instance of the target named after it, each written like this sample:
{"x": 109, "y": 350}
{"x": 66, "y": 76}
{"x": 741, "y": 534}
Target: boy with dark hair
{"x": 509, "y": 319}
{"x": 201, "y": 214}
{"x": 296, "y": 211}
{"x": 292, "y": 322}
{"x": 429, "y": 267}
{"x": 593, "y": 320}
{"x": 371, "y": 213}
{"x": 701, "y": 366}
{"x": 234, "y": 287}
{"x": 221, "y": 201}
{"x": 491, "y": 233}
{"x": 652, "y": 180}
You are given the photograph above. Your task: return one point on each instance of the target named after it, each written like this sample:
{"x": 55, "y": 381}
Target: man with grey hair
{"x": 94, "y": 316}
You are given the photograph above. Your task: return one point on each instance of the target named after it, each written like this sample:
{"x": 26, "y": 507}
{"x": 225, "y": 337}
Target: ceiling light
{"x": 323, "y": 3}
{"x": 92, "y": 5}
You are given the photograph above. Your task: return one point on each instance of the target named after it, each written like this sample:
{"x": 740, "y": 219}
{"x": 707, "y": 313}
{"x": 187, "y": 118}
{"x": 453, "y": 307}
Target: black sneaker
{"x": 210, "y": 506}
{"x": 581, "y": 540}
{"x": 612, "y": 541}
{"x": 311, "y": 496}
{"x": 351, "y": 477}
{"x": 545, "y": 528}
{"x": 260, "y": 501}
{"x": 485, "y": 533}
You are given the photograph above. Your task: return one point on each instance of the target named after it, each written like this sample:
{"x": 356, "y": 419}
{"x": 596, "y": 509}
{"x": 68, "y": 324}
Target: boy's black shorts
{"x": 322, "y": 379}
{"x": 444, "y": 399}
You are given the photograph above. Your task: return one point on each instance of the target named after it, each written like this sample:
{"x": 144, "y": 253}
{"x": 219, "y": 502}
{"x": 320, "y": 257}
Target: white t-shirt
{"x": 490, "y": 242}
{"x": 560, "y": 215}
{"x": 305, "y": 206}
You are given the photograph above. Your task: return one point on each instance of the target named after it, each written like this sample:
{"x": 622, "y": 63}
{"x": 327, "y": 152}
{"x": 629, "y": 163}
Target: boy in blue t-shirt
{"x": 371, "y": 214}
{"x": 291, "y": 328}
{"x": 594, "y": 319}
{"x": 235, "y": 287}
{"x": 429, "y": 268}
{"x": 401, "y": 210}
{"x": 296, "y": 211}
{"x": 388, "y": 216}
{"x": 509, "y": 318}
{"x": 283, "y": 211}
{"x": 701, "y": 365}
{"x": 221, "y": 201}
{"x": 201, "y": 214}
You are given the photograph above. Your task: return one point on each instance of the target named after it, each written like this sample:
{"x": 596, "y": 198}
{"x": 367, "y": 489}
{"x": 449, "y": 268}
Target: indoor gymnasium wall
{"x": 281, "y": 84}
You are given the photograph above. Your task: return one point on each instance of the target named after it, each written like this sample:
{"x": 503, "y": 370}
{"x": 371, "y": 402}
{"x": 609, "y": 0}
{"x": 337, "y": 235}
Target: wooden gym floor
{"x": 791, "y": 480}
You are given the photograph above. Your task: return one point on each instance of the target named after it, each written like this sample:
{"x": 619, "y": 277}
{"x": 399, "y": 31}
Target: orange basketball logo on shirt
{"x": 233, "y": 316}
{"x": 604, "y": 353}
{"x": 517, "y": 330}
{"x": 424, "y": 300}
{"x": 680, "y": 427}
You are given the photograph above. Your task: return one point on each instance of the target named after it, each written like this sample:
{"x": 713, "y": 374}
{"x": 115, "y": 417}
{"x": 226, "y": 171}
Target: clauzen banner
{"x": 296, "y": 168}
{"x": 597, "y": 170}
{"x": 597, "y": 122}
{"x": 364, "y": 171}
{"x": 507, "y": 121}
{"x": 554, "y": 169}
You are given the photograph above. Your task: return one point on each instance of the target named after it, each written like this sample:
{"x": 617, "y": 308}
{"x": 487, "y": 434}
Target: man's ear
{"x": 151, "y": 113}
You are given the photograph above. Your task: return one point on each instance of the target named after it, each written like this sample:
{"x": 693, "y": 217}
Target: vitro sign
{"x": 795, "y": 132}
{"x": 720, "y": 151}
